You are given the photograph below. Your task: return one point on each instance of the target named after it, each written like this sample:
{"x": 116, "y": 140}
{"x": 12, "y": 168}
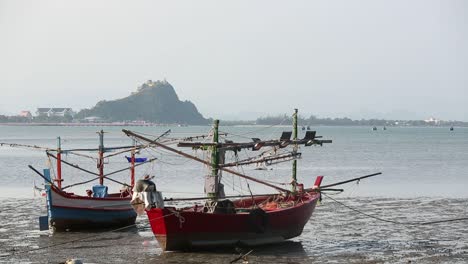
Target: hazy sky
{"x": 362, "y": 59}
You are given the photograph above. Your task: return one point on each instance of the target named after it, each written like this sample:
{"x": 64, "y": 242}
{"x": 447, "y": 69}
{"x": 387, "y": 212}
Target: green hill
{"x": 152, "y": 102}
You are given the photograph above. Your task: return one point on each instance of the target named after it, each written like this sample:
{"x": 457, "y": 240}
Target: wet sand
{"x": 334, "y": 234}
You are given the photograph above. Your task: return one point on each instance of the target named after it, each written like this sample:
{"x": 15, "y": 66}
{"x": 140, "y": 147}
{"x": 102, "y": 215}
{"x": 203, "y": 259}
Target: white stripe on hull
{"x": 59, "y": 200}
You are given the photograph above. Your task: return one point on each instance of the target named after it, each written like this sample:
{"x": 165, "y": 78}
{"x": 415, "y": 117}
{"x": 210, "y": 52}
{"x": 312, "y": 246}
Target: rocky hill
{"x": 152, "y": 102}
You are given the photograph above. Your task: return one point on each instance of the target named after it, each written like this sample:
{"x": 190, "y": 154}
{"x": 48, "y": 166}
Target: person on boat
{"x": 146, "y": 196}
{"x": 125, "y": 191}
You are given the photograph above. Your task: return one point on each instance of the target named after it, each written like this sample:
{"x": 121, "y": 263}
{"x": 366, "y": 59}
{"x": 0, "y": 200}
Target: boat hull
{"x": 69, "y": 212}
{"x": 184, "y": 230}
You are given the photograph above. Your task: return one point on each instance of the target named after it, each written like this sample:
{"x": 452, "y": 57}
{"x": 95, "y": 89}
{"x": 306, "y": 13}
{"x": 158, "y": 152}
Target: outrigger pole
{"x": 132, "y": 134}
{"x": 132, "y": 168}
{"x": 351, "y": 180}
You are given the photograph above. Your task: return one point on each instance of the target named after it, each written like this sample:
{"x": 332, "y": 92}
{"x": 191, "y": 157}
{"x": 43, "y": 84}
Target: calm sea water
{"x": 415, "y": 161}
{"x": 425, "y": 175}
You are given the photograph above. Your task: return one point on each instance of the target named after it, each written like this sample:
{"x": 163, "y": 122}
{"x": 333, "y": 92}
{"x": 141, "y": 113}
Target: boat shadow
{"x": 286, "y": 248}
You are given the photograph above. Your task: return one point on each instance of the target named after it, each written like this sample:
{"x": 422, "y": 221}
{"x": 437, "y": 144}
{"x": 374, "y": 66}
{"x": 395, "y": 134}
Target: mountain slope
{"x": 153, "y": 102}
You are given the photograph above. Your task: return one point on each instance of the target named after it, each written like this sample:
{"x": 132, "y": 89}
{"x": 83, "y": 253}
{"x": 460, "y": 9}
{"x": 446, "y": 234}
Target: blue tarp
{"x": 136, "y": 159}
{"x": 99, "y": 191}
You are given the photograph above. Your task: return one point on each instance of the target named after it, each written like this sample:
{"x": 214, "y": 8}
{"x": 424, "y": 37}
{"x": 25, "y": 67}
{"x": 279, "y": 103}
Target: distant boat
{"x": 308, "y": 127}
{"x": 303, "y": 127}
{"x": 374, "y": 128}
{"x": 384, "y": 128}
{"x": 451, "y": 128}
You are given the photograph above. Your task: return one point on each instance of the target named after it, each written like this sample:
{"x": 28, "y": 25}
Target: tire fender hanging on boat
{"x": 258, "y": 220}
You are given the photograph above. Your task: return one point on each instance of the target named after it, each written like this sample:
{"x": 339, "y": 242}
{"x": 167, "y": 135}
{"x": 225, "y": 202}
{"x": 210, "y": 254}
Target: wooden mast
{"x": 101, "y": 157}
{"x": 295, "y": 148}
{"x": 213, "y": 180}
{"x": 59, "y": 163}
{"x": 132, "y": 167}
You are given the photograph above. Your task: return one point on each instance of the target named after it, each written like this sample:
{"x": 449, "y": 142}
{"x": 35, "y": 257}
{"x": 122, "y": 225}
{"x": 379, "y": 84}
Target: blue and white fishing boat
{"x": 68, "y": 211}
{"x": 97, "y": 208}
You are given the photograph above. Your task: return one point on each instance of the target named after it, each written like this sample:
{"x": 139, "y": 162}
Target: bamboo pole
{"x": 294, "y": 166}
{"x": 214, "y": 160}
{"x": 101, "y": 157}
{"x": 59, "y": 163}
{"x": 132, "y": 167}
{"x": 351, "y": 180}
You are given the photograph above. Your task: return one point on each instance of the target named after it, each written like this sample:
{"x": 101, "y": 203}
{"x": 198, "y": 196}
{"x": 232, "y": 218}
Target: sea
{"x": 416, "y": 211}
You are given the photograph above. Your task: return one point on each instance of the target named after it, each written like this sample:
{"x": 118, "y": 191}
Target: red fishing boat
{"x": 250, "y": 222}
{"x": 247, "y": 220}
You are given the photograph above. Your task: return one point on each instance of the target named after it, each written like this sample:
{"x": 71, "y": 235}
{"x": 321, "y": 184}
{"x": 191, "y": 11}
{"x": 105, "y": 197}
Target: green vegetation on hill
{"x": 153, "y": 102}
{"x": 313, "y": 120}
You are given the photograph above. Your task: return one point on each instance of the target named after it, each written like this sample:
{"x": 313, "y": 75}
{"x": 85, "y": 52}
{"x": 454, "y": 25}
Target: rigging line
{"x": 123, "y": 151}
{"x": 248, "y": 185}
{"x": 130, "y": 133}
{"x": 158, "y": 136}
{"x": 77, "y": 154}
{"x": 106, "y": 149}
{"x": 175, "y": 164}
{"x": 397, "y": 222}
{"x": 87, "y": 171}
{"x": 234, "y": 187}
{"x": 52, "y": 168}
{"x": 16, "y": 145}
{"x": 166, "y": 153}
{"x": 109, "y": 174}
{"x": 261, "y": 129}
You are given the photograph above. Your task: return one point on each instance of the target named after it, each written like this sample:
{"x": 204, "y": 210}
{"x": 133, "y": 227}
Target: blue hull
{"x": 70, "y": 219}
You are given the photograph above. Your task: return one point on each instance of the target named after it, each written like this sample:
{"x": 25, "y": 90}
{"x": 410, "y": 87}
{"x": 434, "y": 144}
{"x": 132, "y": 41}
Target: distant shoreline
{"x": 228, "y": 123}
{"x": 87, "y": 124}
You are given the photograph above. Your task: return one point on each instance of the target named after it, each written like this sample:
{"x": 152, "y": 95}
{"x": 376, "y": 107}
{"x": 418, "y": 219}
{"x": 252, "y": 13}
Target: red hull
{"x": 190, "y": 228}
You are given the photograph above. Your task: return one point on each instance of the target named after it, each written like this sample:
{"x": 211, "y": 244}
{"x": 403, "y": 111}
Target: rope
{"x": 396, "y": 222}
{"x": 257, "y": 130}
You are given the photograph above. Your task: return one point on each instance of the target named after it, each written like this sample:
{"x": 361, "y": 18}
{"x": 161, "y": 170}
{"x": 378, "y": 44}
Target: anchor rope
{"x": 393, "y": 221}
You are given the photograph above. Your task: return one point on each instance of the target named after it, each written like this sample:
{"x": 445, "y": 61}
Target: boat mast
{"x": 212, "y": 192}
{"x": 101, "y": 157}
{"x": 295, "y": 148}
{"x": 132, "y": 168}
{"x": 59, "y": 163}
